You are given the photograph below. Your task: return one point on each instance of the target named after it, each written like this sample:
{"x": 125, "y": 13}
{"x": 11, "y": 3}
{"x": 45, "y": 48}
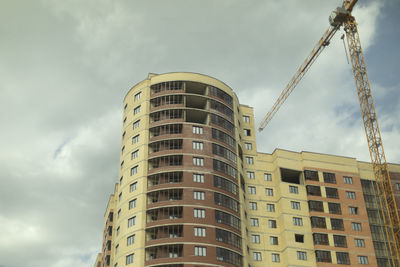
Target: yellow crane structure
{"x": 342, "y": 17}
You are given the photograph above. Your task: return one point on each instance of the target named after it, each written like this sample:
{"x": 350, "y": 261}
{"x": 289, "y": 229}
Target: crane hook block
{"x": 338, "y": 16}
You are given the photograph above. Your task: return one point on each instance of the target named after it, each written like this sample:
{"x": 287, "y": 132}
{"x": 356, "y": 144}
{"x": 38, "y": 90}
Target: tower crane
{"x": 342, "y": 17}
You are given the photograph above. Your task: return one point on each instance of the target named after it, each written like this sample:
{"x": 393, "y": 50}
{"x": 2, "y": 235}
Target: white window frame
{"x": 198, "y": 161}
{"x": 197, "y": 130}
{"x": 132, "y": 221}
{"x": 134, "y": 170}
{"x": 133, "y": 187}
{"x": 267, "y": 177}
{"x": 198, "y": 178}
{"x": 199, "y": 213}
{"x": 199, "y": 195}
{"x": 197, "y": 145}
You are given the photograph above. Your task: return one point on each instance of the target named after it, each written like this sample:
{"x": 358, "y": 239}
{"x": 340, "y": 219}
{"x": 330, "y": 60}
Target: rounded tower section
{"x": 185, "y": 169}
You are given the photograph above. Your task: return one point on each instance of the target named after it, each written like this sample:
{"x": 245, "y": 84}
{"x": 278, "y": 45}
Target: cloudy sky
{"x": 65, "y": 67}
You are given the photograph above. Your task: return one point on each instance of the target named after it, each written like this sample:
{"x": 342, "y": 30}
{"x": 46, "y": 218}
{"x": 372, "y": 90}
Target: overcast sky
{"x": 65, "y": 67}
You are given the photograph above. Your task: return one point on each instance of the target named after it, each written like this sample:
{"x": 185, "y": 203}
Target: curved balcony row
{"x": 189, "y": 87}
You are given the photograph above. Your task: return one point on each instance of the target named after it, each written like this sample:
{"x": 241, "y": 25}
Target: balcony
{"x": 164, "y": 178}
{"x": 164, "y": 232}
{"x": 164, "y": 196}
{"x": 170, "y": 213}
{"x": 164, "y": 252}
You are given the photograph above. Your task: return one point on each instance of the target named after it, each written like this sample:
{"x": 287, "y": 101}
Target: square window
{"x": 267, "y": 177}
{"x": 255, "y": 239}
{"x": 342, "y": 258}
{"x": 257, "y": 256}
{"x": 356, "y": 226}
{"x": 250, "y": 175}
{"x": 135, "y": 139}
{"x": 132, "y": 204}
{"x": 136, "y": 124}
{"x": 299, "y": 238}
{"x": 253, "y": 205}
{"x": 136, "y": 110}
{"x": 248, "y": 146}
{"x": 295, "y": 205}
{"x": 197, "y": 145}
{"x": 269, "y": 192}
{"x": 337, "y": 224}
{"x": 275, "y": 257}
{"x": 130, "y": 240}
{"x": 138, "y": 96}
{"x": 323, "y": 256}
{"x": 247, "y": 132}
{"x": 362, "y": 259}
{"x": 129, "y": 259}
{"x": 318, "y": 222}
{"x": 351, "y": 195}
{"x": 199, "y": 195}
{"x": 134, "y": 170}
{"x": 340, "y": 241}
{"x": 197, "y": 130}
{"x": 253, "y": 221}
{"x": 297, "y": 221}
{"x": 133, "y": 187}
{"x": 200, "y": 251}
{"x": 293, "y": 189}
{"x": 250, "y": 160}
{"x": 131, "y": 221}
{"x": 200, "y": 231}
{"x": 334, "y": 208}
{"x": 273, "y": 240}
{"x": 198, "y": 178}
{"x": 251, "y": 190}
{"x": 271, "y": 207}
{"x": 329, "y": 177}
{"x": 353, "y": 210}
{"x": 348, "y": 180}
{"x": 199, "y": 213}
{"x": 359, "y": 243}
{"x": 135, "y": 154}
{"x": 246, "y": 119}
{"x": 272, "y": 223}
{"x": 302, "y": 255}
{"x": 198, "y": 161}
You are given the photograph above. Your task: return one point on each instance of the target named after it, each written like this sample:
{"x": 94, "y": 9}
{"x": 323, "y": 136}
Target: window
{"x": 321, "y": 239}
{"x": 359, "y": 243}
{"x": 123, "y": 135}
{"x": 293, "y": 189}
{"x": 337, "y": 224}
{"x": 116, "y": 248}
{"x": 318, "y": 222}
{"x": 253, "y": 205}
{"x": 248, "y": 146}
{"x": 134, "y": 170}
{"x": 348, "y": 180}
{"x": 119, "y": 213}
{"x": 126, "y": 106}
{"x": 329, "y": 177}
{"x": 198, "y": 178}
{"x": 250, "y": 175}
{"x": 253, "y": 221}
{"x": 123, "y": 150}
{"x": 200, "y": 231}
{"x": 122, "y": 164}
{"x": 255, "y": 239}
{"x": 246, "y": 119}
{"x": 275, "y": 257}
{"x": 131, "y": 221}
{"x": 129, "y": 259}
{"x": 342, "y": 258}
{"x": 313, "y": 190}
{"x": 135, "y": 154}
{"x": 251, "y": 190}
{"x": 362, "y": 259}
{"x": 272, "y": 223}
{"x": 197, "y": 130}
{"x": 198, "y": 145}
{"x": 323, "y": 256}
{"x": 121, "y": 180}
{"x": 356, "y": 226}
{"x": 130, "y": 240}
{"x": 302, "y": 255}
{"x": 198, "y": 161}
{"x": 334, "y": 208}
{"x": 198, "y": 195}
{"x": 200, "y": 251}
{"x": 351, "y": 195}
{"x": 120, "y": 196}
{"x": 135, "y": 139}
{"x": 331, "y": 192}
{"x": 118, "y": 230}
{"x": 199, "y": 213}
{"x": 273, "y": 240}
{"x": 257, "y": 256}
{"x": 271, "y": 207}
{"x": 136, "y": 110}
{"x": 297, "y": 221}
{"x": 133, "y": 187}
{"x": 249, "y": 160}
{"x": 311, "y": 175}
{"x": 267, "y": 177}
{"x": 138, "y": 96}
{"x": 353, "y": 210}
{"x": 340, "y": 241}
{"x": 299, "y": 238}
{"x": 295, "y": 205}
{"x": 136, "y": 124}
{"x": 398, "y": 186}
{"x": 269, "y": 192}
{"x": 247, "y": 132}
{"x": 132, "y": 204}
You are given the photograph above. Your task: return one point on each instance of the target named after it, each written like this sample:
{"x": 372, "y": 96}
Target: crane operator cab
{"x": 338, "y": 16}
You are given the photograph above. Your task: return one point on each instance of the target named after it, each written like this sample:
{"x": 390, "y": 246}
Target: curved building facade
{"x": 194, "y": 192}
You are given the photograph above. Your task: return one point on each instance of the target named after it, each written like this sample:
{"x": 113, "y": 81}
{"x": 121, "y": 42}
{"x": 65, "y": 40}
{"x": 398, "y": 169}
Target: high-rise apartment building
{"x": 194, "y": 191}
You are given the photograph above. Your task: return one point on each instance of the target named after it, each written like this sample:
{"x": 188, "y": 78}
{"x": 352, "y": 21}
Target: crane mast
{"x": 342, "y": 17}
